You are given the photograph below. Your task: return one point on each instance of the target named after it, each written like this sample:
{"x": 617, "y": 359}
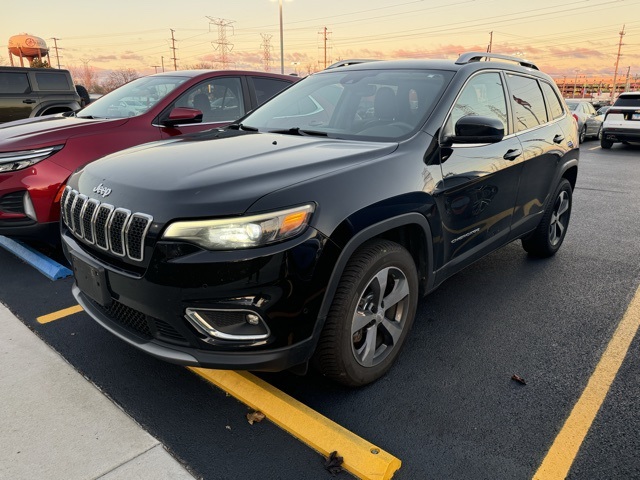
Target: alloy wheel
{"x": 380, "y": 317}
{"x": 558, "y": 222}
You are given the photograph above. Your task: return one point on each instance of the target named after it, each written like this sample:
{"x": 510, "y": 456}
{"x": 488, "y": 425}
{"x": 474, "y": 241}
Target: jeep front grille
{"x": 115, "y": 230}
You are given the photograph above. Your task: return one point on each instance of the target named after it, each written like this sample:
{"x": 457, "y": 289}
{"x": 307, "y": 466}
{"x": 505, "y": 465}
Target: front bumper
{"x": 284, "y": 284}
{"x": 43, "y": 182}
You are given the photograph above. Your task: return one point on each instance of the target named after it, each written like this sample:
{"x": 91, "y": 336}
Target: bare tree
{"x": 117, "y": 78}
{"x": 200, "y": 66}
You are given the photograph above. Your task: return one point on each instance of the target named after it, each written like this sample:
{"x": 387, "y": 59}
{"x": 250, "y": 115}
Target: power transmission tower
{"x": 324, "y": 39}
{"x": 173, "y": 47}
{"x": 222, "y": 44}
{"x": 615, "y": 74}
{"x": 55, "y": 46}
{"x": 266, "y": 51}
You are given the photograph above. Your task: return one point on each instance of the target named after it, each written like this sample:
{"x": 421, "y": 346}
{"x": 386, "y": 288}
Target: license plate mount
{"x": 92, "y": 280}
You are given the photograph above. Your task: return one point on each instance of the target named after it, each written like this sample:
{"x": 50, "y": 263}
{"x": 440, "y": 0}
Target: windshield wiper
{"x": 86, "y": 116}
{"x": 300, "y": 131}
{"x": 240, "y": 126}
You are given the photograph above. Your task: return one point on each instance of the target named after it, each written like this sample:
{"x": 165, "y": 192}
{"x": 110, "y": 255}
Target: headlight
{"x": 12, "y": 161}
{"x": 242, "y": 232}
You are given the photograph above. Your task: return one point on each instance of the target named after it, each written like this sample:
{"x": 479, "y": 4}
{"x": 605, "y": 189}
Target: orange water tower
{"x": 29, "y": 47}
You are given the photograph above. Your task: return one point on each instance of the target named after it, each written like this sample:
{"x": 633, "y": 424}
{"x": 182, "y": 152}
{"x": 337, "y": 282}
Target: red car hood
{"x": 50, "y": 130}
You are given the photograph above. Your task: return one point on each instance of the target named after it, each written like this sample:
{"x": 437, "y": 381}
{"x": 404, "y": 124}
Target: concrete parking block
{"x": 55, "y": 424}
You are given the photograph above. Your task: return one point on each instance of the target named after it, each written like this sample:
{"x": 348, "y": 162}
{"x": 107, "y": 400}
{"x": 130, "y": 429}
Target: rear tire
{"x": 548, "y": 236}
{"x": 371, "y": 314}
{"x": 583, "y": 134}
{"x": 606, "y": 144}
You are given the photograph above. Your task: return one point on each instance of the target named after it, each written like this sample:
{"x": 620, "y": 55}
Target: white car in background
{"x": 622, "y": 122}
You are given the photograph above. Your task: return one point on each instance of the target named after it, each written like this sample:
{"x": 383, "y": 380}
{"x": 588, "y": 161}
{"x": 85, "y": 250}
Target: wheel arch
{"x": 411, "y": 230}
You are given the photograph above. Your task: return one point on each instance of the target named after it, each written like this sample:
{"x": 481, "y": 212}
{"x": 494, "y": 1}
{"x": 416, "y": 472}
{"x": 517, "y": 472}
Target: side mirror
{"x": 182, "y": 115}
{"x": 476, "y": 129}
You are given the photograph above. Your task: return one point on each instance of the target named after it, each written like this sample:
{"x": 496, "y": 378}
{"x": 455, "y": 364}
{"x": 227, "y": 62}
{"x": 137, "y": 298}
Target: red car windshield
{"x": 133, "y": 98}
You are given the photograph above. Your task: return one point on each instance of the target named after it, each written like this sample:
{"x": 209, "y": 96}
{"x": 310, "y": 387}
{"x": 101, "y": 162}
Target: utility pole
{"x": 490, "y": 42}
{"x": 55, "y": 46}
{"x": 324, "y": 39}
{"x": 575, "y": 84}
{"x": 222, "y": 44}
{"x": 162, "y": 61}
{"x": 615, "y": 74}
{"x": 156, "y": 67}
{"x": 266, "y": 51}
{"x": 626, "y": 83}
{"x": 173, "y": 47}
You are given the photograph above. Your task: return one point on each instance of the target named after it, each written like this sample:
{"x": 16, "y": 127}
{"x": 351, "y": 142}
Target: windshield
{"x": 133, "y": 98}
{"x": 369, "y": 104}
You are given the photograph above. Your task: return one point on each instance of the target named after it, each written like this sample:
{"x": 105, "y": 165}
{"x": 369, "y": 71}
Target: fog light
{"x": 227, "y": 324}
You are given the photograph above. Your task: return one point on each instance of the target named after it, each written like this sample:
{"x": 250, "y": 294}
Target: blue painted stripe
{"x": 45, "y": 265}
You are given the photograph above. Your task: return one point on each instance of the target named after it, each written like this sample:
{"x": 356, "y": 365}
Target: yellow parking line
{"x": 595, "y": 148}
{"x": 59, "y": 314}
{"x": 361, "y": 458}
{"x": 562, "y": 453}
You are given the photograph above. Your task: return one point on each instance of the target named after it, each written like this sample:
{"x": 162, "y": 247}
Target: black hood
{"x": 189, "y": 177}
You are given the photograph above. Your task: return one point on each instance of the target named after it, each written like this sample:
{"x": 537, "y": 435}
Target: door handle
{"x": 28, "y": 100}
{"x": 558, "y": 138}
{"x": 512, "y": 154}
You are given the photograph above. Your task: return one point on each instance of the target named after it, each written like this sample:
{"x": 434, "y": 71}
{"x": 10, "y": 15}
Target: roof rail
{"x": 477, "y": 56}
{"x": 352, "y": 61}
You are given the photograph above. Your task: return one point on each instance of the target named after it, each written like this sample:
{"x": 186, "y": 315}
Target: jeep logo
{"x": 102, "y": 190}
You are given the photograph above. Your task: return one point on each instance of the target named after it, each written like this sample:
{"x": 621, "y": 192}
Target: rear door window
{"x": 267, "y": 88}
{"x": 527, "y": 102}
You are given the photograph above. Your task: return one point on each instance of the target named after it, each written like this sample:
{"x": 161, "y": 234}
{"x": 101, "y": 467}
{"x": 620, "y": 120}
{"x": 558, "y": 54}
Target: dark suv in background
{"x": 32, "y": 92}
{"x": 308, "y": 230}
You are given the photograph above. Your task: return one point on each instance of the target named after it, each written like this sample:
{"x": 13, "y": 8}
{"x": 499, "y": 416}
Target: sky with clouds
{"x": 565, "y": 39}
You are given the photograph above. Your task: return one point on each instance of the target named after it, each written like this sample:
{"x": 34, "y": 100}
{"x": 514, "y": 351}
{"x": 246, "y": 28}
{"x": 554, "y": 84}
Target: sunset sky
{"x": 564, "y": 39}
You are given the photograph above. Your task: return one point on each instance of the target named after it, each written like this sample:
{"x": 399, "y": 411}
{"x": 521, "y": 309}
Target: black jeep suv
{"x": 308, "y": 230}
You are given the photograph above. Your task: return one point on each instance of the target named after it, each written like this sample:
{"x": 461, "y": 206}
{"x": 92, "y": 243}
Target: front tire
{"x": 371, "y": 314}
{"x": 548, "y": 236}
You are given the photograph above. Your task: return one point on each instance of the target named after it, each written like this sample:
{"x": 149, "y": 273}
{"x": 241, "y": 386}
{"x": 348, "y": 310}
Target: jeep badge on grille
{"x": 102, "y": 190}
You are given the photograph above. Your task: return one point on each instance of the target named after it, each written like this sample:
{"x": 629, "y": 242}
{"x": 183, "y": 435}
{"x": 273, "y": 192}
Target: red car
{"x": 38, "y": 155}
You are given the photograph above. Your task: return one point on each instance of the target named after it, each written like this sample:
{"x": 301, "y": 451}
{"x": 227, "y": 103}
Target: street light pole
{"x": 281, "y": 40}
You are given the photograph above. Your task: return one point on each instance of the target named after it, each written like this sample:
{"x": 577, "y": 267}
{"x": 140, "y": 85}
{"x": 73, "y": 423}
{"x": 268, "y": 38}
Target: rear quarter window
{"x": 53, "y": 81}
{"x": 555, "y": 107}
